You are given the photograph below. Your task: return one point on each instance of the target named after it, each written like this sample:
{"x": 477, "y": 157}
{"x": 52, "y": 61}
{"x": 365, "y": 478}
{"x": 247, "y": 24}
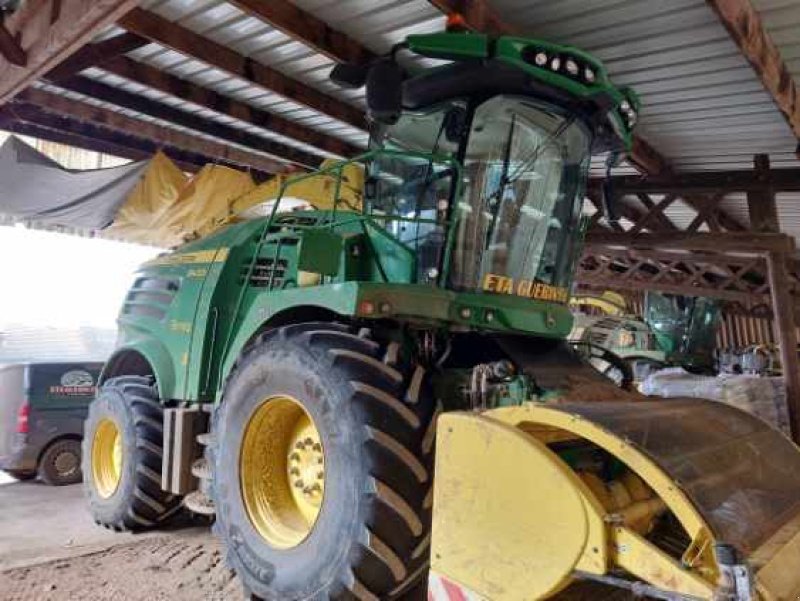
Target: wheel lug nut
{"x": 320, "y": 475}
{"x": 317, "y": 447}
{"x": 315, "y": 487}
{"x": 294, "y": 457}
{"x": 294, "y": 471}
{"x": 309, "y": 441}
{"x": 299, "y": 484}
{"x": 299, "y": 445}
{"x": 320, "y": 460}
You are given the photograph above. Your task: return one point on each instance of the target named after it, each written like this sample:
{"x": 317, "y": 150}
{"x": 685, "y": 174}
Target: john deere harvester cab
{"x": 284, "y": 374}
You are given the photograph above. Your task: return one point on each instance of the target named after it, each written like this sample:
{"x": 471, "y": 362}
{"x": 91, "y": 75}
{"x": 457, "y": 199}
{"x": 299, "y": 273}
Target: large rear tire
{"x": 322, "y": 466}
{"x": 122, "y": 452}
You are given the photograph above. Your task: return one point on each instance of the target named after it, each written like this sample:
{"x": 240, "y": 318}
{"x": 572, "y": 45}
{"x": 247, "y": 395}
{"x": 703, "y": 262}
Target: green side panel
{"x": 396, "y": 262}
{"x": 320, "y": 252}
{"x": 450, "y": 46}
{"x": 411, "y": 303}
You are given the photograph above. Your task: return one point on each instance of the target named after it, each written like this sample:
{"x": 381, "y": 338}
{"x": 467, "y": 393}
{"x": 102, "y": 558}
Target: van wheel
{"x": 122, "y": 452}
{"x": 61, "y": 463}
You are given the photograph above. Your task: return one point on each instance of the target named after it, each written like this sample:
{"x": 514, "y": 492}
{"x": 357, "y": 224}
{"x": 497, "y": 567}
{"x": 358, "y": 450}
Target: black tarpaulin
{"x": 34, "y": 187}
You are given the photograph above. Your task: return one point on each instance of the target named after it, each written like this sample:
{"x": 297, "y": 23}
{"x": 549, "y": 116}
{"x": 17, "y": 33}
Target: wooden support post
{"x": 786, "y": 335}
{"x": 761, "y": 203}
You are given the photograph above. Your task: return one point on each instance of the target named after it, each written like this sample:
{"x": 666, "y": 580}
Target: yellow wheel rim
{"x": 282, "y": 472}
{"x": 106, "y": 458}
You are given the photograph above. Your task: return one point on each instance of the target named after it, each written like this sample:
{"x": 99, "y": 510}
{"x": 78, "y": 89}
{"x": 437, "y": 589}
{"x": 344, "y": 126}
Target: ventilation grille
{"x": 266, "y": 273}
{"x": 150, "y": 297}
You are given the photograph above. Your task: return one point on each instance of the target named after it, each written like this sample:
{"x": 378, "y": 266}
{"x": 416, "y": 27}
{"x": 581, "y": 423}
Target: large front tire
{"x": 365, "y": 412}
{"x": 122, "y": 453}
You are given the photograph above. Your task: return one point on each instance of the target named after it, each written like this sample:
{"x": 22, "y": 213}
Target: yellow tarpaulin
{"x": 138, "y": 219}
{"x": 168, "y": 207}
{"x": 204, "y": 203}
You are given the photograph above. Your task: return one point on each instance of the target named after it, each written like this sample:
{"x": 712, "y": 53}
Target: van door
{"x": 59, "y": 395}
{"x": 12, "y": 397}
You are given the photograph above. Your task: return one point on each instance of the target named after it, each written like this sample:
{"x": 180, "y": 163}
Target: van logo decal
{"x": 75, "y": 381}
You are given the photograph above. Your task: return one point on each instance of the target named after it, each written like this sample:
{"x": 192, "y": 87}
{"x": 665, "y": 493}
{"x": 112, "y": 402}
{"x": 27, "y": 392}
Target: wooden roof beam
{"x": 78, "y": 135}
{"x": 157, "y": 134}
{"x": 308, "y": 29}
{"x": 48, "y": 31}
{"x": 736, "y": 242}
{"x": 96, "y": 54}
{"x": 185, "y": 41}
{"x": 746, "y": 29}
{"x": 707, "y": 182}
{"x": 159, "y": 110}
{"x": 162, "y": 81}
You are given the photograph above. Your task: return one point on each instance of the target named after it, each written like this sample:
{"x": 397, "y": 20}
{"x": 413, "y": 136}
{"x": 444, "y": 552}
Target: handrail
{"x": 336, "y": 168}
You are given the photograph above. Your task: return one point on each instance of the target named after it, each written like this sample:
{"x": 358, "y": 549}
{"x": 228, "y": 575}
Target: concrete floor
{"x": 40, "y": 523}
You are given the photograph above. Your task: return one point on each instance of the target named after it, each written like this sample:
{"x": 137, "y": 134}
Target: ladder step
{"x": 201, "y": 469}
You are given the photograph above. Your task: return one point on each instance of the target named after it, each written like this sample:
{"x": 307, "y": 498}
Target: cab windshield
{"x": 518, "y": 221}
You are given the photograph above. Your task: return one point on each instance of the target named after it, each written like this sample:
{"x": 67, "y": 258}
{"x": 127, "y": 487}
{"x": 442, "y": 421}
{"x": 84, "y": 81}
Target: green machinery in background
{"x": 285, "y": 374}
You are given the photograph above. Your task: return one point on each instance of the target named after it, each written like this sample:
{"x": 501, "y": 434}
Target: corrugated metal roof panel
{"x": 704, "y": 107}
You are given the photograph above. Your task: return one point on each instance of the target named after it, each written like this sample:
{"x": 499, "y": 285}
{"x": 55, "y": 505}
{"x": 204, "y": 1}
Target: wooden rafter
{"x": 708, "y": 182}
{"x": 728, "y": 242}
{"x": 159, "y": 110}
{"x": 48, "y": 32}
{"x": 306, "y": 28}
{"x": 10, "y": 47}
{"x": 746, "y": 29}
{"x": 185, "y": 41}
{"x": 96, "y": 54}
{"x": 156, "y": 79}
{"x": 158, "y": 134}
{"x": 63, "y": 130}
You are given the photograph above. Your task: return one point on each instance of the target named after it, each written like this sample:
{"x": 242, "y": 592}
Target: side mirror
{"x": 385, "y": 91}
{"x": 349, "y": 75}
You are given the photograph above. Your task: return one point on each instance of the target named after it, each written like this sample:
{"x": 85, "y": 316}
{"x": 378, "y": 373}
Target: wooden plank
{"x": 308, "y": 29}
{"x": 705, "y": 182}
{"x": 47, "y": 40}
{"x": 160, "y": 110}
{"x": 151, "y": 77}
{"x": 786, "y": 335}
{"x": 761, "y": 205}
{"x": 97, "y": 54}
{"x": 10, "y": 48}
{"x": 608, "y": 282}
{"x": 739, "y": 242}
{"x": 74, "y": 135}
{"x": 187, "y": 42}
{"x": 159, "y": 134}
{"x": 747, "y": 30}
{"x": 706, "y": 259}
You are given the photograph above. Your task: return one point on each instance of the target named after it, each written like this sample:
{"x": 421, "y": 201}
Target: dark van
{"x": 42, "y": 408}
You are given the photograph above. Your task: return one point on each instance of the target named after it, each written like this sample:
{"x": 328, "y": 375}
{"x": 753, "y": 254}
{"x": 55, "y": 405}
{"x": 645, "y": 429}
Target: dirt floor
{"x": 51, "y": 550}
